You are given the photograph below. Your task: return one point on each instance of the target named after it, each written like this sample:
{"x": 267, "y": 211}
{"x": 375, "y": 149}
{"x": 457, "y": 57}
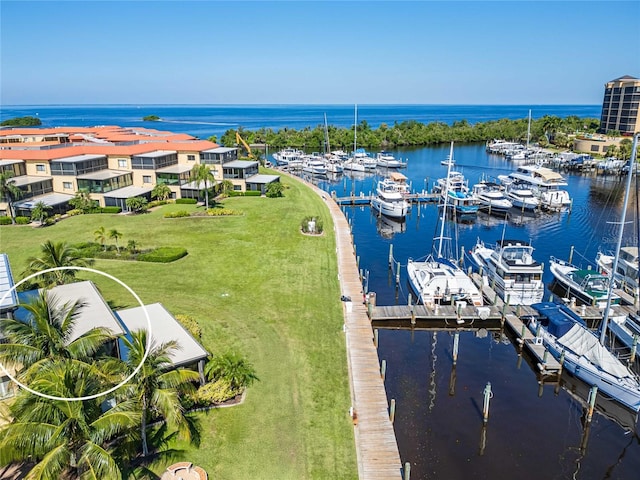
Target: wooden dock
{"x": 376, "y": 446}
{"x": 545, "y": 362}
{"x": 362, "y": 199}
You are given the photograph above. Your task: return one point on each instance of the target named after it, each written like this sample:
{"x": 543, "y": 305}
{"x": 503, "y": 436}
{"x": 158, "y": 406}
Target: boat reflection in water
{"x": 388, "y": 227}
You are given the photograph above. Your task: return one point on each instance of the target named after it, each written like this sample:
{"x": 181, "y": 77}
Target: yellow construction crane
{"x": 240, "y": 140}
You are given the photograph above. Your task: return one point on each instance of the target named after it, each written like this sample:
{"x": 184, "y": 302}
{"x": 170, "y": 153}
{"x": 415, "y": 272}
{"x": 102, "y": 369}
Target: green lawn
{"x": 255, "y": 284}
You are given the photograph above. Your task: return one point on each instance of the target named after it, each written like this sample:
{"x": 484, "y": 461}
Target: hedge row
{"x": 163, "y": 255}
{"x": 248, "y": 193}
{"x": 186, "y": 201}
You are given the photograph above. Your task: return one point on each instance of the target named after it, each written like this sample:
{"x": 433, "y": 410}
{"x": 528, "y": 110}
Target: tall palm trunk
{"x": 143, "y": 428}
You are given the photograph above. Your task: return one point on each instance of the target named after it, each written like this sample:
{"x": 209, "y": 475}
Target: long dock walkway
{"x": 376, "y": 445}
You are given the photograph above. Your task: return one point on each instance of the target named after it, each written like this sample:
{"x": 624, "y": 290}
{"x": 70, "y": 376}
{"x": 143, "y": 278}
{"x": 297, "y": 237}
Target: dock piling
{"x": 487, "y": 397}
{"x": 398, "y": 273}
{"x": 634, "y": 348}
{"x": 383, "y": 369}
{"x": 390, "y": 254}
{"x": 456, "y": 343}
{"x": 392, "y": 410}
{"x": 407, "y": 471}
{"x": 592, "y": 402}
{"x": 375, "y": 337}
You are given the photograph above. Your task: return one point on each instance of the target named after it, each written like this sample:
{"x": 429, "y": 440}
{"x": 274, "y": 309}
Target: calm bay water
{"x": 533, "y": 432}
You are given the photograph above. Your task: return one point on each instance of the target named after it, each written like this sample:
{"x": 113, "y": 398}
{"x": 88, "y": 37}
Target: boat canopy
{"x": 397, "y": 177}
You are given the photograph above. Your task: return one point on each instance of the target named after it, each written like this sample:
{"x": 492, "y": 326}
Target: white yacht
{"x": 521, "y": 196}
{"x": 491, "y": 197}
{"x": 545, "y": 183}
{"x": 386, "y": 160}
{"x": 286, "y": 156}
{"x": 627, "y": 275}
{"x": 389, "y": 201}
{"x": 589, "y": 286}
{"x": 314, "y": 164}
{"x": 511, "y": 271}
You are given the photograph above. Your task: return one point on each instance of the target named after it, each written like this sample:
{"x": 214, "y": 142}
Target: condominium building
{"x": 620, "y": 106}
{"x": 113, "y": 164}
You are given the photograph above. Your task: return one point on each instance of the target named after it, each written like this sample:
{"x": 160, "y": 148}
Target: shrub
{"x": 49, "y": 221}
{"x": 186, "y": 201}
{"x": 274, "y": 190}
{"x": 163, "y": 255}
{"x": 218, "y": 212}
{"x": 88, "y": 249}
{"x": 110, "y": 210}
{"x": 5, "y": 220}
{"x": 318, "y": 228}
{"x": 23, "y": 220}
{"x": 157, "y": 203}
{"x": 248, "y": 193}
{"x": 215, "y": 392}
{"x": 191, "y": 325}
{"x": 178, "y": 214}
{"x": 75, "y": 211}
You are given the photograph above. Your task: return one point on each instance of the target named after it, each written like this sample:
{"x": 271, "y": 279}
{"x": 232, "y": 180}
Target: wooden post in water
{"x": 398, "y": 273}
{"x": 485, "y": 407}
{"x": 383, "y": 369}
{"x": 390, "y": 254}
{"x": 456, "y": 342}
{"x": 358, "y": 261}
{"x": 571, "y": 254}
{"x": 366, "y": 282}
{"x": 592, "y": 402}
{"x": 407, "y": 471}
{"x": 392, "y": 410}
{"x": 375, "y": 337}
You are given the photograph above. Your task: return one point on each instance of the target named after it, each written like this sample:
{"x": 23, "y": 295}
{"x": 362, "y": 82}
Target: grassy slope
{"x": 256, "y": 285}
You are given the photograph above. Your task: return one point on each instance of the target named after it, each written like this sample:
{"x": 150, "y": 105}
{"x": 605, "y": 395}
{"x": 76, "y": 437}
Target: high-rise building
{"x": 620, "y": 106}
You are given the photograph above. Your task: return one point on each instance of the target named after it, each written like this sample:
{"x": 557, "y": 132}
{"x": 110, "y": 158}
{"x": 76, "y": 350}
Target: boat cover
{"x": 583, "y": 342}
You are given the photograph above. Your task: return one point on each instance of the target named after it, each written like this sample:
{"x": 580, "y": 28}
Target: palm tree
{"x": 203, "y": 176}
{"x": 157, "y": 387}
{"x": 161, "y": 191}
{"x": 115, "y": 234}
{"x": 233, "y": 368}
{"x": 9, "y": 192}
{"x": 68, "y": 439}
{"x": 101, "y": 236}
{"x": 56, "y": 255}
{"x": 39, "y": 211}
{"x": 44, "y": 336}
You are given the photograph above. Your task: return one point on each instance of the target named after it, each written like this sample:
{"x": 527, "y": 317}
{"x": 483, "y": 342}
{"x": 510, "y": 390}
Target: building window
{"x": 40, "y": 168}
{"x": 67, "y": 185}
{"x": 146, "y": 178}
{"x": 237, "y": 187}
{"x": 122, "y": 163}
{"x": 191, "y": 158}
{"x": 595, "y": 148}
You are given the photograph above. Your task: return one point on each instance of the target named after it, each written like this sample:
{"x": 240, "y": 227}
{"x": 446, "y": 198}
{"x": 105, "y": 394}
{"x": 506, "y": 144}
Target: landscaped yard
{"x": 259, "y": 286}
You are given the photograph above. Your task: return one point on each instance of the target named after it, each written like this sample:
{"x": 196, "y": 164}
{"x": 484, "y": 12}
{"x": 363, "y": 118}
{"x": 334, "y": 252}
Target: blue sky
{"x": 367, "y": 52}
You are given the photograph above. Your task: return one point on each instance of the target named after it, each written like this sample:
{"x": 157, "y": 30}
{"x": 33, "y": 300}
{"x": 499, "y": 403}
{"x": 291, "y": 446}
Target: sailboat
{"x": 333, "y": 163}
{"x": 359, "y": 161}
{"x": 439, "y": 280}
{"x": 581, "y": 351}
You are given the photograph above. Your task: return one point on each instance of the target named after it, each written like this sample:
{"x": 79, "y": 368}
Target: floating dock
{"x": 362, "y": 199}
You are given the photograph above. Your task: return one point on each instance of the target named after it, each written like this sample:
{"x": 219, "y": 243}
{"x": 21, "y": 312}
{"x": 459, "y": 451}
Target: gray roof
{"x": 28, "y": 179}
{"x": 178, "y": 168}
{"x": 156, "y": 153}
{"x": 50, "y": 199}
{"x": 164, "y": 328}
{"x": 128, "y": 192}
{"x": 103, "y": 174}
{"x": 6, "y": 284}
{"x": 10, "y": 162}
{"x": 239, "y": 164}
{"x": 263, "y": 179}
{"x": 220, "y": 150}
{"x": 94, "y": 313}
{"x": 79, "y": 158}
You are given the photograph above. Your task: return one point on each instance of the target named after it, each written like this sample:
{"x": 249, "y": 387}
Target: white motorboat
{"x": 387, "y": 160}
{"x": 588, "y": 286}
{"x": 288, "y": 155}
{"x": 627, "y": 274}
{"x": 389, "y": 201}
{"x": 438, "y": 279}
{"x": 455, "y": 190}
{"x": 491, "y": 197}
{"x": 521, "y": 196}
{"x": 570, "y": 341}
{"x": 314, "y": 165}
{"x": 545, "y": 183}
{"x": 510, "y": 269}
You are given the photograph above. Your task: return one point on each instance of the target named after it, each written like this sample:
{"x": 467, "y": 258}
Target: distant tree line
{"x": 21, "y": 122}
{"x": 411, "y": 133}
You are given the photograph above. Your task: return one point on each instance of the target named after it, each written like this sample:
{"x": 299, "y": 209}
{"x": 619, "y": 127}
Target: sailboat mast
{"x": 326, "y": 136}
{"x": 529, "y": 130}
{"x": 614, "y": 267}
{"x": 355, "y": 130}
{"x": 444, "y": 206}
